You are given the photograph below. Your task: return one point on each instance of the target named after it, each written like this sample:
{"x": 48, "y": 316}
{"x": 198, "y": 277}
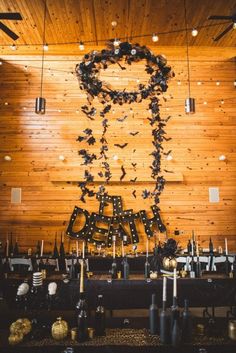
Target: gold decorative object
{"x": 153, "y": 275}
{"x": 232, "y": 330}
{"x": 25, "y": 325}
{"x": 15, "y": 338}
{"x": 59, "y": 329}
{"x": 183, "y": 273}
{"x": 90, "y": 332}
{"x": 15, "y": 328}
{"x": 169, "y": 263}
{"x": 73, "y": 333}
{"x": 119, "y": 274}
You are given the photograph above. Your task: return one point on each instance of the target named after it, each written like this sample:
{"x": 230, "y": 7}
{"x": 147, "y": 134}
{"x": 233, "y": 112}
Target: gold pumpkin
{"x": 169, "y": 263}
{"x": 26, "y": 325}
{"x": 59, "y": 329}
{"x": 15, "y": 328}
{"x": 15, "y": 338}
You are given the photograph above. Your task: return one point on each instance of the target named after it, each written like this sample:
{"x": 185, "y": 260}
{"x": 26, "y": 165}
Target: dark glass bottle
{"x": 82, "y": 310}
{"x": 153, "y": 316}
{"x": 114, "y": 274}
{"x": 164, "y": 318}
{"x": 125, "y": 268}
{"x": 62, "y": 264}
{"x": 227, "y": 265}
{"x": 16, "y": 249}
{"x": 72, "y": 268}
{"x": 198, "y": 271}
{"x": 11, "y": 247}
{"x": 147, "y": 268}
{"x": 176, "y": 330}
{"x": 211, "y": 247}
{"x": 187, "y": 323}
{"x": 189, "y": 247}
{"x": 100, "y": 318}
{"x": 55, "y": 249}
{"x": 234, "y": 267}
{"x": 37, "y": 253}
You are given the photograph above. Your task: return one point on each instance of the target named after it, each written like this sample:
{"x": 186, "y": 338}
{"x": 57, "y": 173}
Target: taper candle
{"x": 41, "y": 252}
{"x": 83, "y": 250}
{"x": 164, "y": 289}
{"x": 226, "y": 246}
{"x": 122, "y": 249}
{"x": 175, "y": 284}
{"x": 7, "y": 247}
{"x": 192, "y": 250}
{"x": 197, "y": 249}
{"x": 147, "y": 246}
{"x": 114, "y": 249}
{"x": 77, "y": 248}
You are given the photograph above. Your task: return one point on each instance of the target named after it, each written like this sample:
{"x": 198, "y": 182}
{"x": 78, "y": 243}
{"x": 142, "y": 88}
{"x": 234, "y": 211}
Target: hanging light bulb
{"x": 189, "y": 102}
{"x": 234, "y": 83}
{"x": 13, "y": 47}
{"x": 234, "y": 25}
{"x": 194, "y": 32}
{"x": 40, "y": 102}
{"x": 45, "y": 47}
{"x": 155, "y": 37}
{"x": 81, "y": 45}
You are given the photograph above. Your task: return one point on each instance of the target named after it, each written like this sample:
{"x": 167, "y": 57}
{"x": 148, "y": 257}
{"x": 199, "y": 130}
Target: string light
{"x": 114, "y": 23}
{"x": 222, "y": 101}
{"x": 222, "y": 158}
{"x": 61, "y": 157}
{"x": 205, "y": 102}
{"x": 45, "y": 47}
{"x": 194, "y": 32}
{"x": 7, "y": 158}
{"x": 169, "y": 157}
{"x": 81, "y": 45}
{"x": 217, "y": 83}
{"x": 155, "y": 37}
{"x": 116, "y": 42}
{"x": 13, "y": 47}
{"x": 234, "y": 83}
{"x": 199, "y": 83}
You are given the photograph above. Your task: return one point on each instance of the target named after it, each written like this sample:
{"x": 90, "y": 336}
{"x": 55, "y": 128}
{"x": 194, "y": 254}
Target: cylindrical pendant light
{"x": 189, "y": 102}
{"x": 190, "y": 105}
{"x": 40, "y": 102}
{"x": 40, "y": 105}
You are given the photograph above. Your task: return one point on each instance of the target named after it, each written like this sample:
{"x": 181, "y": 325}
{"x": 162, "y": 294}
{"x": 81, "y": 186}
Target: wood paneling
{"x": 49, "y": 190}
{"x": 71, "y": 21}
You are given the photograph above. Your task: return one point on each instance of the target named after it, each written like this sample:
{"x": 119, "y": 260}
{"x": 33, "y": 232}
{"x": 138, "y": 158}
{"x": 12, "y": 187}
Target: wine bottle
{"x": 55, "y": 249}
{"x": 100, "y": 318}
{"x": 193, "y": 242}
{"x": 187, "y": 323}
{"x": 113, "y": 271}
{"x": 234, "y": 267}
{"x": 174, "y": 307}
{"x": 189, "y": 247}
{"x": 176, "y": 330}
{"x": 147, "y": 268}
{"x": 153, "y": 316}
{"x": 82, "y": 311}
{"x": 125, "y": 268}
{"x": 72, "y": 268}
{"x": 198, "y": 271}
{"x": 211, "y": 247}
{"x": 62, "y": 255}
{"x": 16, "y": 249}
{"x": 164, "y": 318}
{"x": 227, "y": 265}
{"x": 11, "y": 246}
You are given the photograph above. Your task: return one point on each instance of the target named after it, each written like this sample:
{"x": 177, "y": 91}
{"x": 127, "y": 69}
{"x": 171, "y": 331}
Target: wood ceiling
{"x": 71, "y": 21}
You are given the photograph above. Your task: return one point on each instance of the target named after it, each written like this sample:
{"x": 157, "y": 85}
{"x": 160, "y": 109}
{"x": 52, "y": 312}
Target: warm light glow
{"x": 61, "y": 157}
{"x": 114, "y": 23}
{"x": 222, "y": 158}
{"x": 45, "y": 47}
{"x": 13, "y": 47}
{"x": 115, "y": 157}
{"x": 116, "y": 42}
{"x": 155, "y": 37}
{"x": 7, "y": 158}
{"x": 178, "y": 83}
{"x": 205, "y": 102}
{"x": 217, "y": 83}
{"x": 81, "y": 46}
{"x": 169, "y": 157}
{"x": 234, "y": 25}
{"x": 199, "y": 83}
{"x": 194, "y": 32}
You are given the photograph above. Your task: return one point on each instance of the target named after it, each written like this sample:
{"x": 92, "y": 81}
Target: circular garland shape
{"x": 87, "y": 72}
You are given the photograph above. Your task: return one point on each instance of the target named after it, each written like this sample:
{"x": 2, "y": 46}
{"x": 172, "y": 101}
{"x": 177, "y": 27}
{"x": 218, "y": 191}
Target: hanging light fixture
{"x": 189, "y": 102}
{"x": 40, "y": 102}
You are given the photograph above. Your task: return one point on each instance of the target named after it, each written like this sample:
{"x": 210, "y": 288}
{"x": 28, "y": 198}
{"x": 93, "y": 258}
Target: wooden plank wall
{"x": 49, "y": 190}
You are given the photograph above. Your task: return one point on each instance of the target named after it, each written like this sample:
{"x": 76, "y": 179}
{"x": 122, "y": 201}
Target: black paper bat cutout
{"x": 105, "y": 110}
{"x": 100, "y": 174}
{"x": 88, "y": 176}
{"x": 134, "y": 133}
{"x": 134, "y": 164}
{"x": 89, "y": 113}
{"x": 91, "y": 140}
{"x": 168, "y": 171}
{"x": 133, "y": 180}
{"x": 145, "y": 194}
{"x": 123, "y": 173}
{"x": 88, "y": 131}
{"x": 80, "y": 138}
{"x": 134, "y": 193}
{"x": 121, "y": 146}
{"x": 122, "y": 119}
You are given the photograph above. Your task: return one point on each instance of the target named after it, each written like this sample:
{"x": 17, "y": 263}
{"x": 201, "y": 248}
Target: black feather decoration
{"x": 121, "y": 146}
{"x": 123, "y": 173}
{"x": 133, "y": 180}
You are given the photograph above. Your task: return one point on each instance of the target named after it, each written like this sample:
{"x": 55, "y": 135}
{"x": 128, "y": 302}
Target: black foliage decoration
{"x": 156, "y": 66}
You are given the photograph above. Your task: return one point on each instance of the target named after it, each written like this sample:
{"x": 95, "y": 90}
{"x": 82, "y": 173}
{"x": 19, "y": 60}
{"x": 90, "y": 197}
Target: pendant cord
{"x": 187, "y": 46}
{"x": 44, "y": 30}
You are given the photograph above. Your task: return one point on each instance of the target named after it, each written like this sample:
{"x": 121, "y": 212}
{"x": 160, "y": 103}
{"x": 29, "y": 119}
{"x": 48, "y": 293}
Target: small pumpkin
{"x": 59, "y": 329}
{"x": 26, "y": 325}
{"x": 14, "y": 339}
{"x": 169, "y": 263}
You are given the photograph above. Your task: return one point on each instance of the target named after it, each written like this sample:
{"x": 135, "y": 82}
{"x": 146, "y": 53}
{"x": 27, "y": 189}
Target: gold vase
{"x": 169, "y": 263}
{"x": 232, "y": 329}
{"x": 59, "y": 329}
{"x": 16, "y": 338}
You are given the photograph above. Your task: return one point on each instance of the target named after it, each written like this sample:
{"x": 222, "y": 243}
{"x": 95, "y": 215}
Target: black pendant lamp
{"x": 40, "y": 102}
{"x": 189, "y": 102}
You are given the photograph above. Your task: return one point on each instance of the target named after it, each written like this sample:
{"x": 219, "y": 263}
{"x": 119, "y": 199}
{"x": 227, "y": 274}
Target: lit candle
{"x": 147, "y": 246}
{"x": 77, "y": 248}
{"x": 226, "y": 246}
{"x": 122, "y": 249}
{"x": 192, "y": 247}
{"x": 114, "y": 249}
{"x": 41, "y": 252}
{"x": 82, "y": 276}
{"x": 83, "y": 250}
{"x": 175, "y": 284}
{"x": 197, "y": 249}
{"x": 164, "y": 289}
